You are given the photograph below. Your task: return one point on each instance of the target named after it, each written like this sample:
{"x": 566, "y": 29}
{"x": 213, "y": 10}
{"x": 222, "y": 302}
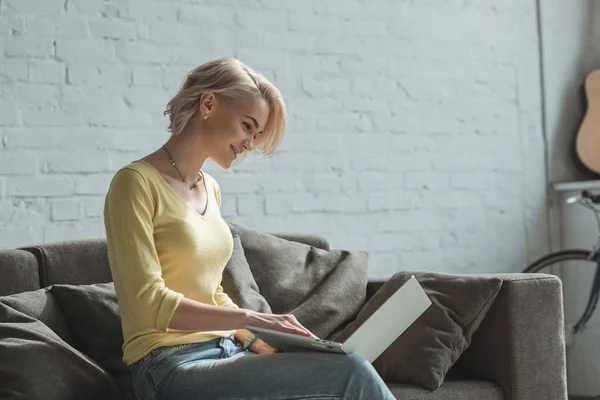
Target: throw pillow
{"x": 92, "y": 313}
{"x": 43, "y": 366}
{"x": 41, "y": 305}
{"x": 424, "y": 353}
{"x": 324, "y": 289}
{"x": 239, "y": 283}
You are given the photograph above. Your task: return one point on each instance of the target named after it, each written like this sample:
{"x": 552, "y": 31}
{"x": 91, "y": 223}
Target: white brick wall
{"x": 570, "y": 33}
{"x": 414, "y": 126}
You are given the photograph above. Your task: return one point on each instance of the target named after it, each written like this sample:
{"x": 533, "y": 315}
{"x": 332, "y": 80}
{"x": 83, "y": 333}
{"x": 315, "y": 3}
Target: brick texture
{"x": 414, "y": 126}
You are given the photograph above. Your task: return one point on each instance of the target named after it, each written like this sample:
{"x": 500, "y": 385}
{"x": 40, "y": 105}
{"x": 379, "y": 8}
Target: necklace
{"x": 193, "y": 185}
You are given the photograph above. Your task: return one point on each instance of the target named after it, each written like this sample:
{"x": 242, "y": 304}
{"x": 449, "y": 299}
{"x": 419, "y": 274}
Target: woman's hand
{"x": 260, "y": 347}
{"x": 280, "y": 322}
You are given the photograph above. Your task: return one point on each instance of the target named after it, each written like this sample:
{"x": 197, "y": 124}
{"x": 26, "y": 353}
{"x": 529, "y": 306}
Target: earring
{"x": 205, "y": 117}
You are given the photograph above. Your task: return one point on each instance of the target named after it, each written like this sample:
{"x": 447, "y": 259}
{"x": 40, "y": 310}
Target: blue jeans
{"x": 221, "y": 370}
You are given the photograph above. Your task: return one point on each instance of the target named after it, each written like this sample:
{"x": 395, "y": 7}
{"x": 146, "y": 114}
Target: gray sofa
{"x": 517, "y": 353}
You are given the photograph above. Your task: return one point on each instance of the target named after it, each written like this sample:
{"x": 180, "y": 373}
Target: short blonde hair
{"x": 229, "y": 79}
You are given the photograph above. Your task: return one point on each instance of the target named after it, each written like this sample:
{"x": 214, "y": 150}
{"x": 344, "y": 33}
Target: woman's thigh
{"x": 265, "y": 376}
{"x": 149, "y": 373}
{"x": 220, "y": 370}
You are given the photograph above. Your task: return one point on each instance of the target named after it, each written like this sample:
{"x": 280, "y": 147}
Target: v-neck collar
{"x": 172, "y": 189}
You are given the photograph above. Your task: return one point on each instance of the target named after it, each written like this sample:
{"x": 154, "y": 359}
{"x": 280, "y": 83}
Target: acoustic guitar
{"x": 587, "y": 141}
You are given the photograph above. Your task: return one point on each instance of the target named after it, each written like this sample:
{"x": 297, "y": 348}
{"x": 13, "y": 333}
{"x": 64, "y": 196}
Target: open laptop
{"x": 371, "y": 339}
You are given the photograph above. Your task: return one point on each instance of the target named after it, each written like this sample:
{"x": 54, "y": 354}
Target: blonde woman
{"x": 168, "y": 246}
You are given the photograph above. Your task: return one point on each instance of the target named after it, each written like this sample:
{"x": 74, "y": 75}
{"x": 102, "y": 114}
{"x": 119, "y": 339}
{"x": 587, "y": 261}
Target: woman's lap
{"x": 220, "y": 369}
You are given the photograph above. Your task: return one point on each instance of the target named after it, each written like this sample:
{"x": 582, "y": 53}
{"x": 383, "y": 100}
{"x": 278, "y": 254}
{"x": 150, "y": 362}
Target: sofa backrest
{"x": 76, "y": 262}
{"x": 19, "y": 272}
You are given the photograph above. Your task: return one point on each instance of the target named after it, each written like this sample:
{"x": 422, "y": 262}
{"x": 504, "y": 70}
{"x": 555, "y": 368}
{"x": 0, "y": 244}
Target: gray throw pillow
{"x": 45, "y": 367}
{"x": 92, "y": 314}
{"x": 324, "y": 289}
{"x": 41, "y": 305}
{"x": 424, "y": 353}
{"x": 239, "y": 284}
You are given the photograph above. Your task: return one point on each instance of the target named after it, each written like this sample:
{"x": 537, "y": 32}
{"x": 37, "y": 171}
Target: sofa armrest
{"x": 520, "y": 344}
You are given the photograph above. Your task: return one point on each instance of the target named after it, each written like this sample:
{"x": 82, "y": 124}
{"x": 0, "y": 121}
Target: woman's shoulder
{"x": 211, "y": 183}
{"x": 209, "y": 178}
{"x": 136, "y": 173}
{"x": 138, "y": 167}
{"x": 212, "y": 186}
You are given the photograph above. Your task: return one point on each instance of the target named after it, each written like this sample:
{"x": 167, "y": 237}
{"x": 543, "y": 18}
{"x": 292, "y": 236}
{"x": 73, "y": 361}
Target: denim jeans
{"x": 221, "y": 370}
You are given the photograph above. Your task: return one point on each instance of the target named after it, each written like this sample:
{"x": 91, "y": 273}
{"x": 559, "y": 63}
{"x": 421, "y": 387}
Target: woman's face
{"x": 232, "y": 126}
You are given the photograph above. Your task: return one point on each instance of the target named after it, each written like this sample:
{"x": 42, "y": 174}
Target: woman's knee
{"x": 362, "y": 380}
{"x": 357, "y": 361}
{"x": 363, "y": 368}
{"x": 354, "y": 365}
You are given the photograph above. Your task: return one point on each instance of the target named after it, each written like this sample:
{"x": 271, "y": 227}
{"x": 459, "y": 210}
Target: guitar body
{"x": 587, "y": 141}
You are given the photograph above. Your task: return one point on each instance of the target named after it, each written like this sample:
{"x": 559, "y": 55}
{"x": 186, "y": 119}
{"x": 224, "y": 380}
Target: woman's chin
{"x": 226, "y": 164}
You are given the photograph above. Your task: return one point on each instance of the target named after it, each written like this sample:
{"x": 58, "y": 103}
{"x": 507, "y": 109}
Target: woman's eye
{"x": 247, "y": 126}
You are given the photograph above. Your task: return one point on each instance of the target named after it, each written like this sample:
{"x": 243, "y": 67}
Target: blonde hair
{"x": 229, "y": 79}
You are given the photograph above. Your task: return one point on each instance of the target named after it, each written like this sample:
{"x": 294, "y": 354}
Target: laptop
{"x": 370, "y": 339}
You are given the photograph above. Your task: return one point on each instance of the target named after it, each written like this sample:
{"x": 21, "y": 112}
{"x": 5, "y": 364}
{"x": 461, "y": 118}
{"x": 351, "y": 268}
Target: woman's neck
{"x": 187, "y": 154}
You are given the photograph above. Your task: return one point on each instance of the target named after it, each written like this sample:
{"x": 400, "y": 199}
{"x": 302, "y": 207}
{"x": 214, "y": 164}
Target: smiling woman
{"x": 239, "y": 88}
{"x": 168, "y": 246}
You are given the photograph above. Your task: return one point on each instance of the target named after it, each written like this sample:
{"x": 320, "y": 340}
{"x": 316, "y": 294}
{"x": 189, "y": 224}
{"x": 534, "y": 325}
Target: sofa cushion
{"x": 45, "y": 367}
{"x": 19, "y": 271}
{"x": 451, "y": 389}
{"x": 424, "y": 353}
{"x": 324, "y": 289}
{"x": 92, "y": 313}
{"x": 41, "y": 305}
{"x": 310, "y": 239}
{"x": 239, "y": 283}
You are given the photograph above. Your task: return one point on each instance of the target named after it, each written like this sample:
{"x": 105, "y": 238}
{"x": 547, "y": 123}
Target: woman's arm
{"x": 129, "y": 209}
{"x": 240, "y": 335}
{"x": 196, "y": 316}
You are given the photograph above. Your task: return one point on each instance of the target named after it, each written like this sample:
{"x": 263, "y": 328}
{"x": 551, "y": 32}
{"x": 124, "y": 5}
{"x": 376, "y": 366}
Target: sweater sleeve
{"x": 128, "y": 218}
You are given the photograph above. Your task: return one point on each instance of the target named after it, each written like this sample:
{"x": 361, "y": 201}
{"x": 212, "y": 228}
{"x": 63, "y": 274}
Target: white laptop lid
{"x": 390, "y": 320}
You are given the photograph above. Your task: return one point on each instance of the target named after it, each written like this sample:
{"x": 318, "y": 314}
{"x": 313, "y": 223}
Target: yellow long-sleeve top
{"x": 160, "y": 250}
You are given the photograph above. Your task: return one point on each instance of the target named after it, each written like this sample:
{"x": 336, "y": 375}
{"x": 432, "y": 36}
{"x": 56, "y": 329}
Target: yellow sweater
{"x": 160, "y": 250}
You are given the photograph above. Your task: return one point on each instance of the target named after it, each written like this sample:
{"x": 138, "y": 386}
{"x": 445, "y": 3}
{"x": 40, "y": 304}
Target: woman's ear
{"x": 207, "y": 102}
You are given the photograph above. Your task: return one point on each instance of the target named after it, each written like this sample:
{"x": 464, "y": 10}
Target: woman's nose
{"x": 247, "y": 144}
